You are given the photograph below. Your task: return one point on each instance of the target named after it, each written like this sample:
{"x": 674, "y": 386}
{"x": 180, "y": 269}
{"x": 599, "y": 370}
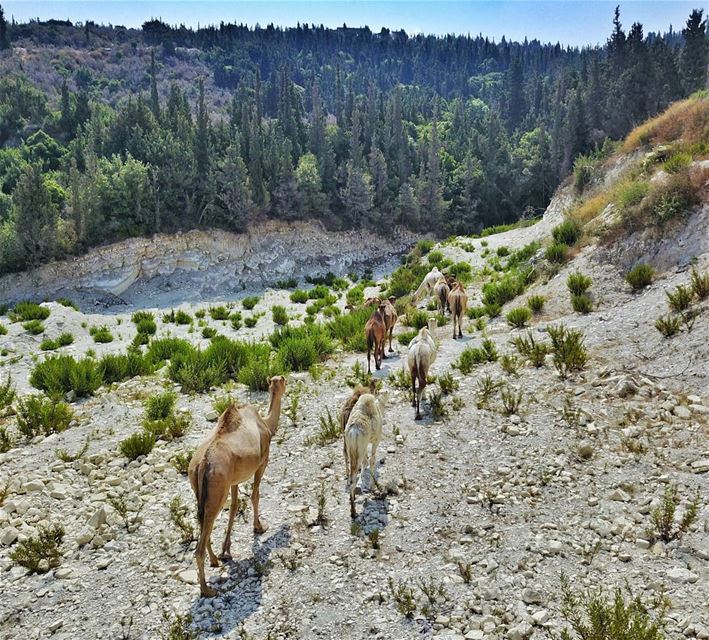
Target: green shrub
{"x": 235, "y": 319}
{"x": 65, "y": 302}
{"x": 256, "y": 372}
{"x": 503, "y": 290}
{"x": 160, "y": 405}
{"x": 503, "y": 251}
{"x": 447, "y": 383}
{"x": 7, "y": 394}
{"x": 461, "y": 271}
{"x": 101, "y": 334}
{"x": 26, "y": 311}
{"x": 6, "y": 442}
{"x": 219, "y": 313}
{"x": 40, "y": 553}
{"x": 209, "y": 332}
{"x": 328, "y": 430}
{"x": 584, "y": 172}
{"x": 3, "y": 329}
{"x": 557, "y": 253}
{"x": 518, "y": 317}
{"x": 424, "y": 246}
{"x": 136, "y": 445}
{"x": 405, "y": 337}
{"x": 299, "y": 296}
{"x": 536, "y": 303}
{"x": 578, "y": 283}
{"x": 632, "y": 194}
{"x": 63, "y": 340}
{"x": 673, "y": 199}
{"x": 475, "y": 312}
{"x": 435, "y": 257}
{"x": 472, "y": 356}
{"x": 569, "y": 350}
{"x": 676, "y": 162}
{"x": 640, "y": 276}
{"x": 664, "y": 524}
{"x": 280, "y": 315}
{"x": 668, "y": 325}
{"x": 582, "y": 303}
{"x": 141, "y": 315}
{"x": 348, "y": 329}
{"x": 41, "y": 415}
{"x": 61, "y": 374}
{"x": 527, "y": 346}
{"x": 493, "y": 310}
{"x": 115, "y": 367}
{"x": 355, "y": 295}
{"x": 416, "y": 318}
{"x": 250, "y": 302}
{"x": 250, "y": 322}
{"x": 594, "y": 616}
{"x": 146, "y": 326}
{"x": 35, "y": 327}
{"x": 700, "y": 284}
{"x": 182, "y": 317}
{"x": 680, "y": 298}
{"x": 568, "y": 233}
{"x": 166, "y": 348}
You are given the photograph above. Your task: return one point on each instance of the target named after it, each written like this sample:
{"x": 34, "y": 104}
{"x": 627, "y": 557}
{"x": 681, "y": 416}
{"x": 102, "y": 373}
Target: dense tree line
{"x": 347, "y": 126}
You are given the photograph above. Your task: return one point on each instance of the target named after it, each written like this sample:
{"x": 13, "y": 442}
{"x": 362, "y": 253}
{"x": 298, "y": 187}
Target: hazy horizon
{"x": 576, "y": 23}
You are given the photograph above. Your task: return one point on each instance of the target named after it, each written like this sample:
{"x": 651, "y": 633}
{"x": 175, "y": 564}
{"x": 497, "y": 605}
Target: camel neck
{"x": 274, "y": 413}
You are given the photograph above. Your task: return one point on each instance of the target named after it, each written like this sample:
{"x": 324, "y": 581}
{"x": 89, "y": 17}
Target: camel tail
{"x": 202, "y": 491}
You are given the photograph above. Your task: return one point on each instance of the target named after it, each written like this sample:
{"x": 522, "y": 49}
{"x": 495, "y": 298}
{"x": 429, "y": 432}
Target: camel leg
{"x": 413, "y": 388}
{"x": 369, "y": 364}
{"x": 259, "y": 527}
{"x": 210, "y": 515}
{"x": 226, "y": 547}
{"x": 352, "y": 486}
{"x": 391, "y": 335}
{"x": 460, "y": 326}
{"x": 373, "y": 461}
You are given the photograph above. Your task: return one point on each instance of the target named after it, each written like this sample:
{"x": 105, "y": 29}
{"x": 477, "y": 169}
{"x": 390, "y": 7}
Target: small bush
{"x": 40, "y": 553}
{"x": 557, "y": 253}
{"x": 532, "y": 350}
{"x": 160, "y": 405}
{"x": 299, "y": 296}
{"x": 509, "y": 364}
{"x": 250, "y": 302}
{"x": 503, "y": 251}
{"x": 439, "y": 410}
{"x": 26, "y": 311}
{"x": 578, "y": 283}
{"x": 569, "y": 350}
{"x": 41, "y": 415}
{"x": 138, "y": 316}
{"x": 182, "y": 317}
{"x": 400, "y": 379}
{"x": 35, "y": 327}
{"x": 511, "y": 400}
{"x": 461, "y": 271}
{"x": 582, "y": 303}
{"x": 139, "y": 444}
{"x": 280, "y": 315}
{"x": 584, "y": 172}
{"x": 3, "y": 329}
{"x": 7, "y": 394}
{"x": 348, "y": 328}
{"x": 179, "y": 513}
{"x": 416, "y": 318}
{"x": 115, "y": 367}
{"x": 61, "y": 374}
{"x": 632, "y": 194}
{"x": 209, "y": 332}
{"x": 680, "y": 298}
{"x": 63, "y": 340}
{"x": 328, "y": 430}
{"x": 447, "y": 383}
{"x": 700, "y": 284}
{"x": 65, "y": 302}
{"x": 167, "y": 348}
{"x": 676, "y": 162}
{"x": 594, "y": 616}
{"x": 181, "y": 461}
{"x": 424, "y": 246}
{"x": 355, "y": 295}
{"x": 640, "y": 276}
{"x": 668, "y": 325}
{"x": 219, "y": 313}
{"x": 101, "y": 335}
{"x": 472, "y": 356}
{"x": 671, "y": 200}
{"x": 235, "y": 319}
{"x": 664, "y": 525}
{"x": 568, "y": 233}
{"x": 250, "y": 322}
{"x": 503, "y": 290}
{"x": 536, "y": 303}
{"x": 146, "y": 326}
{"x": 519, "y": 317}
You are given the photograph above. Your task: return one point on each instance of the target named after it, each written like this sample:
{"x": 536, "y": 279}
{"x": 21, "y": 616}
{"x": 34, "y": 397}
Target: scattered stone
{"x": 619, "y": 496}
{"x": 8, "y": 536}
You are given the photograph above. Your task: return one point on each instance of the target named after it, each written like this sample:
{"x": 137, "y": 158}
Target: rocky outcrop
{"x": 210, "y": 262}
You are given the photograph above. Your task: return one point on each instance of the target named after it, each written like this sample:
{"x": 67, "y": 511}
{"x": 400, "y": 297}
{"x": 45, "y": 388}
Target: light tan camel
{"x": 422, "y": 354}
{"x": 233, "y": 452}
{"x": 441, "y": 291}
{"x": 458, "y": 303}
{"x": 358, "y": 391}
{"x": 390, "y": 318}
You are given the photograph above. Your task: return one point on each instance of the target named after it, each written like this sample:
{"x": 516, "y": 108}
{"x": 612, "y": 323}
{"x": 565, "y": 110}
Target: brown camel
{"x": 376, "y": 332}
{"x": 233, "y": 452}
{"x": 441, "y": 291}
{"x": 458, "y": 303}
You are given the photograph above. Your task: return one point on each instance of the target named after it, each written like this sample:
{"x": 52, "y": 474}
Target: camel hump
{"x": 230, "y": 420}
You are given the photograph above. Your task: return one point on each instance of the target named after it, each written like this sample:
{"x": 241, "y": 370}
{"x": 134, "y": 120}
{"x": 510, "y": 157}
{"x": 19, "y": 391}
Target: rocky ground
{"x": 477, "y": 516}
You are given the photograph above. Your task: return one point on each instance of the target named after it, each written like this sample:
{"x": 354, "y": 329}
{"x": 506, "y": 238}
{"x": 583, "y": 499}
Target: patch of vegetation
{"x": 146, "y": 326}
{"x": 578, "y": 283}
{"x": 250, "y": 302}
{"x": 568, "y": 348}
{"x": 511, "y": 400}
{"x": 40, "y": 553}
{"x": 680, "y": 298}
{"x": 27, "y": 311}
{"x": 117, "y": 367}
{"x": 582, "y": 303}
{"x": 61, "y": 374}
{"x": 528, "y": 347}
{"x": 181, "y": 461}
{"x": 439, "y": 411}
{"x": 403, "y": 596}
{"x": 209, "y": 332}
{"x": 280, "y": 315}
{"x": 677, "y": 162}
{"x": 518, "y": 317}
{"x": 62, "y": 340}
{"x": 405, "y": 337}
{"x": 668, "y": 325}
{"x": 665, "y": 526}
{"x": 7, "y": 395}
{"x": 35, "y": 327}
{"x": 250, "y": 322}
{"x": 536, "y": 303}
{"x": 640, "y": 276}
{"x": 472, "y": 356}
{"x": 219, "y": 312}
{"x": 65, "y": 302}
{"x": 179, "y": 513}
{"x": 101, "y": 335}
{"x": 139, "y": 316}
{"x": 631, "y": 193}
{"x": 447, "y": 383}
{"x": 568, "y": 233}
{"x": 557, "y": 253}
{"x": 299, "y": 296}
{"x": 700, "y": 284}
{"x": 42, "y": 415}
{"x": 510, "y": 364}
{"x": 400, "y": 379}
{"x": 328, "y": 430}
{"x": 136, "y": 445}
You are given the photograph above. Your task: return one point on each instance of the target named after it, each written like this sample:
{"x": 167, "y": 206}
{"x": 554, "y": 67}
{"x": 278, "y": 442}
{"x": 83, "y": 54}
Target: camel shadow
{"x": 241, "y": 589}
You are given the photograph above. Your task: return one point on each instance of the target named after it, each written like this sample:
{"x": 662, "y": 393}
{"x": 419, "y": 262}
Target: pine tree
{"x": 357, "y": 195}
{"x": 66, "y": 118}
{"x": 616, "y": 45}
{"x": 36, "y": 216}
{"x": 310, "y": 192}
{"x": 429, "y": 191}
{"x": 380, "y": 179}
{"x": 408, "y": 206}
{"x": 154, "y": 97}
{"x": 516, "y": 107}
{"x": 201, "y": 139}
{"x": 695, "y": 57}
{"x": 4, "y": 35}
{"x": 233, "y": 202}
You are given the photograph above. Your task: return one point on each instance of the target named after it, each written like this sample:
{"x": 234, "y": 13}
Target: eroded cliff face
{"x": 191, "y": 265}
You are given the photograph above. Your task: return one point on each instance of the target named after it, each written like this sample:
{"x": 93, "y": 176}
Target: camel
{"x": 233, "y": 452}
{"x": 422, "y": 354}
{"x": 441, "y": 291}
{"x": 364, "y": 427}
{"x": 357, "y": 392}
{"x": 458, "y": 303}
{"x": 390, "y": 318}
{"x": 426, "y": 286}
{"x": 376, "y": 331}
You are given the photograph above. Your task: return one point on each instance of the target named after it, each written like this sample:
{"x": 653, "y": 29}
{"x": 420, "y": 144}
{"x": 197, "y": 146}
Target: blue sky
{"x": 577, "y": 22}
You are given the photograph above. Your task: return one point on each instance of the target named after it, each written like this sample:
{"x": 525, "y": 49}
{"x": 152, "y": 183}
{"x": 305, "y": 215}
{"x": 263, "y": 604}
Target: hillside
{"x": 515, "y": 476}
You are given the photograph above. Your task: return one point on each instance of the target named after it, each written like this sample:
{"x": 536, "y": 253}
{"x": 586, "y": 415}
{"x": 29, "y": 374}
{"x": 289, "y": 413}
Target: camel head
{"x": 424, "y": 332}
{"x": 382, "y": 307}
{"x": 277, "y": 385}
{"x": 369, "y": 302}
{"x": 382, "y": 399}
{"x": 392, "y": 299}
{"x": 432, "y": 324}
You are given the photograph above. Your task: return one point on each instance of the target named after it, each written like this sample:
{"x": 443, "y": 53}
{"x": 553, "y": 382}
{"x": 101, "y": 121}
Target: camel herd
{"x": 238, "y": 447}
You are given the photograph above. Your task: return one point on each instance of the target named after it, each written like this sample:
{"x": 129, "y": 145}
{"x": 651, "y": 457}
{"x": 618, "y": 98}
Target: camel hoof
{"x": 208, "y": 592}
{"x": 261, "y": 528}
{"x": 418, "y": 416}
{"x": 225, "y": 555}
{"x": 213, "y": 562}
{"x": 391, "y": 350}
